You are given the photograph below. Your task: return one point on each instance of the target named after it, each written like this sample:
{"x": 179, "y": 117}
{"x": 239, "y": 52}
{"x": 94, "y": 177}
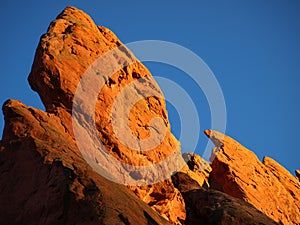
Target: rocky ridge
{"x": 266, "y": 185}
{"x": 44, "y": 173}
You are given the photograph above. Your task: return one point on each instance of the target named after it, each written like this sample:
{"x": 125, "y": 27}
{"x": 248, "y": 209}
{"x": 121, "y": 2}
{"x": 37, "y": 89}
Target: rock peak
{"x": 216, "y": 137}
{"x": 71, "y": 46}
{"x": 238, "y": 172}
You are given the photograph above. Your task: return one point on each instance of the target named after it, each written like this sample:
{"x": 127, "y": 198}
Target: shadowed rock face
{"x": 266, "y": 185}
{"x": 44, "y": 178}
{"x": 212, "y": 207}
{"x": 197, "y": 168}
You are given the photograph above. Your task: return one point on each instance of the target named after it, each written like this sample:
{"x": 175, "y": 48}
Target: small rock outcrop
{"x": 211, "y": 207}
{"x": 206, "y": 206}
{"x": 196, "y": 168}
{"x": 297, "y": 172}
{"x": 266, "y": 185}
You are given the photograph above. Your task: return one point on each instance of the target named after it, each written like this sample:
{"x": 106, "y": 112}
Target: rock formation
{"x": 71, "y": 45}
{"x": 196, "y": 168}
{"x": 209, "y": 207}
{"x": 266, "y": 185}
{"x": 53, "y": 172}
{"x": 44, "y": 179}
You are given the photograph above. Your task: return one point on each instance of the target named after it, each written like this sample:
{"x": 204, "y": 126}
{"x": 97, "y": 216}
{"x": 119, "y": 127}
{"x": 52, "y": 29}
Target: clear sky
{"x": 252, "y": 47}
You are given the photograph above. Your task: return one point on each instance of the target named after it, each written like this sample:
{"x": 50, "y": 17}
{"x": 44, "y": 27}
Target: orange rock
{"x": 68, "y": 49}
{"x": 58, "y": 177}
{"x": 266, "y": 185}
{"x": 197, "y": 169}
{"x": 44, "y": 179}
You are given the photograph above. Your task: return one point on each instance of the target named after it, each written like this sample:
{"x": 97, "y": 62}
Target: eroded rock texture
{"x": 72, "y": 43}
{"x": 44, "y": 179}
{"x": 211, "y": 207}
{"x": 49, "y": 176}
{"x": 266, "y": 185}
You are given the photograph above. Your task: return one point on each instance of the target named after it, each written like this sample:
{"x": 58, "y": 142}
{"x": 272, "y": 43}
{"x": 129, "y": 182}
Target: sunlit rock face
{"x": 103, "y": 152}
{"x": 67, "y": 55}
{"x": 266, "y": 185}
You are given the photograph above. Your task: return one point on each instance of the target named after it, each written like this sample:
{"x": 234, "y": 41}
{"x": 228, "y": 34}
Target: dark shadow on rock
{"x": 212, "y": 207}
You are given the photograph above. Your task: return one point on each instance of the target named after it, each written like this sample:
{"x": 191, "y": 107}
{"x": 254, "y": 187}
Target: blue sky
{"x": 252, "y": 47}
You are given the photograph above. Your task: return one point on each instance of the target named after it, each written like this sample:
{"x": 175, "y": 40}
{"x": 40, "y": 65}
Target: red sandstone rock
{"x": 266, "y": 185}
{"x": 44, "y": 179}
{"x": 72, "y": 43}
{"x": 197, "y": 169}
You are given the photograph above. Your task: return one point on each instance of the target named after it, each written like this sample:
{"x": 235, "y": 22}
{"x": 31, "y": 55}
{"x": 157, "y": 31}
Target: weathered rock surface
{"x": 44, "y": 180}
{"x": 197, "y": 168}
{"x": 211, "y": 207}
{"x": 266, "y": 185}
{"x": 49, "y": 175}
{"x": 208, "y": 206}
{"x": 72, "y": 43}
